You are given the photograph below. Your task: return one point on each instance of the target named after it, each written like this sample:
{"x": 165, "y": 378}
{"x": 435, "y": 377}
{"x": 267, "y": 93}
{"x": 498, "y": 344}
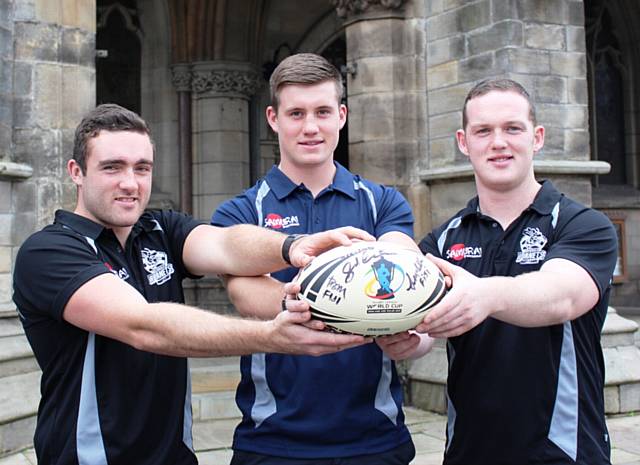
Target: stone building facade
{"x": 197, "y": 71}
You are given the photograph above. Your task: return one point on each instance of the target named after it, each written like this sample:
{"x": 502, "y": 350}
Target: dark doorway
{"x": 336, "y": 54}
{"x": 118, "y": 54}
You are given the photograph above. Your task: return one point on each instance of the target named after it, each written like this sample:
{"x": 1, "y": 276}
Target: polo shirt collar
{"x": 79, "y": 224}
{"x": 282, "y": 186}
{"x": 543, "y": 203}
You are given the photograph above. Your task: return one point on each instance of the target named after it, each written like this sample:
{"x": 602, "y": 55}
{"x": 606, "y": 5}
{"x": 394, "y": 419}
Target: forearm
{"x": 540, "y": 298}
{"x": 258, "y": 296}
{"x": 182, "y": 331}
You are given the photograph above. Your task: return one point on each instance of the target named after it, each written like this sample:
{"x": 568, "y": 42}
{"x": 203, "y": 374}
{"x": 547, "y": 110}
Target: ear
{"x": 342, "y": 113}
{"x": 462, "y": 141}
{"x": 75, "y": 172}
{"x": 538, "y": 138}
{"x": 272, "y": 118}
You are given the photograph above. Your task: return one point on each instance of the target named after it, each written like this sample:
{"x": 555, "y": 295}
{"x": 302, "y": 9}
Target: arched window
{"x": 118, "y": 53}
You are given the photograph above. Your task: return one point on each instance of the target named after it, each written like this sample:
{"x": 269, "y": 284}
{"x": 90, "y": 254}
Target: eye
{"x": 482, "y": 131}
{"x": 514, "y": 129}
{"x": 296, "y": 114}
{"x": 144, "y": 168}
{"x": 324, "y": 112}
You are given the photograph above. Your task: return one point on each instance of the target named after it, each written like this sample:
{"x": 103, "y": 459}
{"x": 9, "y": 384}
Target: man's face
{"x": 500, "y": 140}
{"x": 116, "y": 187}
{"x": 308, "y": 122}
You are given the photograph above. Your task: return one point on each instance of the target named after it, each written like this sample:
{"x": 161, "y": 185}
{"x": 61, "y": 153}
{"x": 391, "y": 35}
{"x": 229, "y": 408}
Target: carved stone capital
{"x": 181, "y": 77}
{"x": 346, "y": 8}
{"x": 217, "y": 78}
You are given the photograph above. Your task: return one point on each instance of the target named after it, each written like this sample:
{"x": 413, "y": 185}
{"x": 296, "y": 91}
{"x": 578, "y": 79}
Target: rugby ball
{"x": 371, "y": 288}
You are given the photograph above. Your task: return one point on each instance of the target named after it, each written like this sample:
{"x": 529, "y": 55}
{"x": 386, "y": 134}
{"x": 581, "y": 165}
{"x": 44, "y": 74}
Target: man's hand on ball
{"x": 399, "y": 346}
{"x": 291, "y": 335}
{"x": 465, "y": 306}
{"x": 306, "y": 248}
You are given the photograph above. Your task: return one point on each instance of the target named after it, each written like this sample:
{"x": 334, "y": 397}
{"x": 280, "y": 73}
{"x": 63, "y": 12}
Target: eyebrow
{"x": 120, "y": 161}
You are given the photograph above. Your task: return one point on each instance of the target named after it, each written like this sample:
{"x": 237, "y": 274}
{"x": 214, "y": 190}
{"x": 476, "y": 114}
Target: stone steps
{"x": 19, "y": 397}
{"x": 213, "y": 384}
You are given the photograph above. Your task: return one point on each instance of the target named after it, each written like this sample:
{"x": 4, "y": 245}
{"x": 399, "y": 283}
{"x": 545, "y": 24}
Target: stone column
{"x": 387, "y": 93}
{"x": 221, "y": 93}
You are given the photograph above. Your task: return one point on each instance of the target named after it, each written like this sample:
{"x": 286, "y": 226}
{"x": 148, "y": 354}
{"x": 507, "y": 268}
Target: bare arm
{"x": 247, "y": 250}
{"x": 257, "y": 296}
{"x": 560, "y": 291}
{"x": 107, "y": 306}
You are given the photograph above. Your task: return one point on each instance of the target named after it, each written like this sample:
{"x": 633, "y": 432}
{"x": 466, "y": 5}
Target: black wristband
{"x": 286, "y": 246}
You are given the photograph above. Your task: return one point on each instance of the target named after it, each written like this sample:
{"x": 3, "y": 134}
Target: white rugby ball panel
{"x": 371, "y": 288}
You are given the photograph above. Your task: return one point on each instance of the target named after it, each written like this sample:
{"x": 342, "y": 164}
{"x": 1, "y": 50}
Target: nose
{"x": 310, "y": 125}
{"x": 497, "y": 140}
{"x": 128, "y": 180}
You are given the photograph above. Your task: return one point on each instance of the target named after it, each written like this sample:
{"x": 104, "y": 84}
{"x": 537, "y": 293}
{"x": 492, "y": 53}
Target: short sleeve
{"x": 238, "y": 210}
{"x": 429, "y": 244}
{"x": 394, "y": 213}
{"x": 588, "y": 239}
{"x": 50, "y": 266}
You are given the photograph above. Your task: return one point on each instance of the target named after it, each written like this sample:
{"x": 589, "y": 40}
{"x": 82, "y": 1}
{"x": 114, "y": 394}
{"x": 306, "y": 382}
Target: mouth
{"x": 498, "y": 159}
{"x": 310, "y": 143}
{"x": 126, "y": 200}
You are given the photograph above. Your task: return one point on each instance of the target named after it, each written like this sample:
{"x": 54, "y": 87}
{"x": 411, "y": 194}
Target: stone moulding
{"x": 216, "y": 78}
{"x": 346, "y": 8}
{"x": 14, "y": 171}
{"x": 570, "y": 167}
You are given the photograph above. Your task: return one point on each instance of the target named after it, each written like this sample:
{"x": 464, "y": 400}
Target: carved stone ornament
{"x": 181, "y": 78}
{"x": 353, "y": 7}
{"x": 245, "y": 83}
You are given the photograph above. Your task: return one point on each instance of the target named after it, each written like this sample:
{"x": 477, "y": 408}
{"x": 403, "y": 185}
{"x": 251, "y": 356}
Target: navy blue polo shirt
{"x": 337, "y": 405}
{"x": 102, "y": 400}
{"x": 528, "y": 395}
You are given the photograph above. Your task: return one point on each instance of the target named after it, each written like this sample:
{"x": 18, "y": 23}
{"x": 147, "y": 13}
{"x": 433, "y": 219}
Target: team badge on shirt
{"x": 531, "y": 247}
{"x": 122, "y": 273}
{"x": 157, "y": 265}
{"x": 459, "y": 252}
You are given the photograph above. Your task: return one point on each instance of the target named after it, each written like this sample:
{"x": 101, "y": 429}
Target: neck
{"x": 315, "y": 178}
{"x": 506, "y": 205}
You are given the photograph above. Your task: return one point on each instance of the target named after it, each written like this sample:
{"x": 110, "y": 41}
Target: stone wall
{"x": 46, "y": 85}
{"x": 540, "y": 44}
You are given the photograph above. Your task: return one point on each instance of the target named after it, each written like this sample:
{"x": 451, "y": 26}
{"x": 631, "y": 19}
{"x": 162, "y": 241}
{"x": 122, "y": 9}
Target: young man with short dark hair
{"x": 526, "y": 308}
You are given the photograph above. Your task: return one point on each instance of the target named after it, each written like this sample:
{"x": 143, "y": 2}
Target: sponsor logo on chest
{"x": 275, "y": 221}
{"x": 531, "y": 247}
{"x": 459, "y": 252}
{"x": 157, "y": 265}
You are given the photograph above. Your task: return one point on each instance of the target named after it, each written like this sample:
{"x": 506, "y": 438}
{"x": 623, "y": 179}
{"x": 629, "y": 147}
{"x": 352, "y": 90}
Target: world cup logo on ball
{"x": 383, "y": 270}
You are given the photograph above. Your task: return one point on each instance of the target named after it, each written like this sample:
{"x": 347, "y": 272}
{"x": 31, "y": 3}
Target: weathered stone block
{"x": 6, "y": 76}
{"x": 6, "y": 223}
{"x": 47, "y": 87}
{"x": 48, "y": 11}
{"x": 409, "y": 116}
{"x": 576, "y": 13}
{"x": 442, "y": 75}
{"x": 622, "y": 365}
{"x": 6, "y": 144}
{"x": 5, "y": 287}
{"x": 448, "y": 99}
{"x": 545, "y": 36}
{"x": 235, "y": 146}
{"x": 449, "y": 196}
{"x": 78, "y": 94}
{"x": 478, "y": 66}
{"x": 386, "y": 162}
{"x": 563, "y": 116}
{"x": 40, "y": 149}
{"x": 36, "y": 41}
{"x": 576, "y": 41}
{"x": 25, "y": 10}
{"x": 221, "y": 177}
{"x": 221, "y": 114}
{"x": 23, "y": 112}
{"x": 445, "y": 50}
{"x": 474, "y": 15}
{"x": 442, "y": 25}
{"x": 5, "y": 197}
{"x": 6, "y": 110}
{"x": 6, "y": 43}
{"x": 5, "y": 259}
{"x": 6, "y": 14}
{"x": 77, "y": 47}
{"x": 549, "y": 11}
{"x": 445, "y": 125}
{"x": 553, "y": 138}
{"x": 23, "y": 81}
{"x": 49, "y": 200}
{"x": 611, "y": 400}
{"x": 25, "y": 196}
{"x": 576, "y": 143}
{"x": 499, "y": 35}
{"x": 521, "y": 60}
{"x": 428, "y": 396}
{"x": 504, "y": 9}
{"x": 433, "y": 7}
{"x": 551, "y": 89}
{"x": 371, "y": 38}
{"x": 578, "y": 91}
{"x": 572, "y": 64}
{"x": 630, "y": 397}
